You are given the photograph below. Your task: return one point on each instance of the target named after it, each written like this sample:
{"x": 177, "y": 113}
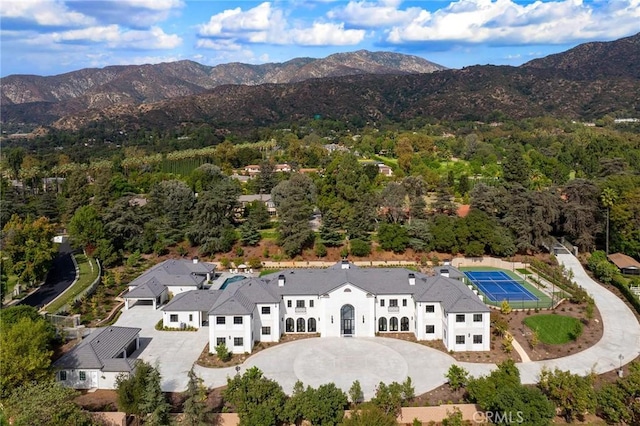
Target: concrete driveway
{"x": 317, "y": 361}
{"x": 175, "y": 351}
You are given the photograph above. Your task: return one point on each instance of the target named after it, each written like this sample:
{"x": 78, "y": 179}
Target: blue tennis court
{"x": 499, "y": 286}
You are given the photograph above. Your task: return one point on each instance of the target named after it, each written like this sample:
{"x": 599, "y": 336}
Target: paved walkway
{"x": 371, "y": 360}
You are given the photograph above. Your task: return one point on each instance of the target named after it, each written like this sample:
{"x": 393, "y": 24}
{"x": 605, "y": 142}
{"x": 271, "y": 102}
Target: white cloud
{"x": 374, "y": 14}
{"x": 153, "y": 4}
{"x": 265, "y": 24}
{"x": 218, "y": 44}
{"x": 261, "y": 18}
{"x": 326, "y": 34}
{"x": 507, "y": 22}
{"x": 114, "y": 36}
{"x": 44, "y": 12}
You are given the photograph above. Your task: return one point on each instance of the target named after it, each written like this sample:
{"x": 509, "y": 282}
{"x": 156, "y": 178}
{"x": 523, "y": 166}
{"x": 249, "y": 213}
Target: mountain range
{"x": 585, "y": 82}
{"x": 49, "y": 98}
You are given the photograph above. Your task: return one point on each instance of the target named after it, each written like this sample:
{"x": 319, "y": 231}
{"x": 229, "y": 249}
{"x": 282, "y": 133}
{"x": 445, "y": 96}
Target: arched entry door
{"x": 347, "y": 320}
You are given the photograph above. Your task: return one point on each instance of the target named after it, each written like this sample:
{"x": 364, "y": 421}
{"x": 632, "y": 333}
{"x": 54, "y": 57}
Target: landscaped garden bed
{"x": 209, "y": 358}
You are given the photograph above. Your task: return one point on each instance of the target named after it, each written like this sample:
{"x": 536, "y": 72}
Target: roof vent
{"x": 344, "y": 264}
{"x": 412, "y": 278}
{"x": 281, "y": 280}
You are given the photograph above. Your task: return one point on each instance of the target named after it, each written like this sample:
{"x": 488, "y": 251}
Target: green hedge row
{"x": 621, "y": 284}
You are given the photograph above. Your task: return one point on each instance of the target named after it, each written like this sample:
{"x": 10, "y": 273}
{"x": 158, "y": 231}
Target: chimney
{"x": 344, "y": 264}
{"x": 280, "y": 280}
{"x": 444, "y": 272}
{"x": 412, "y": 278}
{"x": 195, "y": 259}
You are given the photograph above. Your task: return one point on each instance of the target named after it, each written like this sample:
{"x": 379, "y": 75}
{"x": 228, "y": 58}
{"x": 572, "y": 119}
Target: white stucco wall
{"x": 73, "y": 379}
{"x": 183, "y": 318}
{"x": 364, "y": 306}
{"x": 468, "y": 329}
{"x": 294, "y": 312}
{"x": 271, "y": 320}
{"x": 229, "y": 331}
{"x": 400, "y": 311}
{"x": 180, "y": 289}
{"x": 425, "y": 318}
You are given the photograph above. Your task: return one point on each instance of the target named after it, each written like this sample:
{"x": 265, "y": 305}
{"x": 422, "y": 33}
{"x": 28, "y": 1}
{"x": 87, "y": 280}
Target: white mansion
{"x": 344, "y": 300}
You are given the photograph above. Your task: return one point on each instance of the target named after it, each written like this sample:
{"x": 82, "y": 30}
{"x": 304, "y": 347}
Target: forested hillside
{"x": 525, "y": 181}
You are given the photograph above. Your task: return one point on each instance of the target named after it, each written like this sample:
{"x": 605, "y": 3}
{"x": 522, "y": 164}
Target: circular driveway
{"x": 317, "y": 361}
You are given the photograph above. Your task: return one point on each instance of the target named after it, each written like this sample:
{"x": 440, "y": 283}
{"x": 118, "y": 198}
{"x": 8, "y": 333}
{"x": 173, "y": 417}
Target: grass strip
{"x": 87, "y": 276}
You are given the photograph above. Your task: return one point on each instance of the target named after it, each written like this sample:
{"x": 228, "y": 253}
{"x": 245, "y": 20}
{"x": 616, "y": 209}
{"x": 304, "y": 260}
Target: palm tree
{"x": 608, "y": 199}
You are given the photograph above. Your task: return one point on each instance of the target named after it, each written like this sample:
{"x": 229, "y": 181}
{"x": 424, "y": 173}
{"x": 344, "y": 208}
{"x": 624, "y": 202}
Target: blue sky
{"x": 48, "y": 37}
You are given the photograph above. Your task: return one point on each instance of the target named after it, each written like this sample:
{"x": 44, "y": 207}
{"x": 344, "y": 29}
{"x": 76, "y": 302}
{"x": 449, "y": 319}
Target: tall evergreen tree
{"x": 195, "y": 408}
{"x": 294, "y": 199}
{"x": 330, "y": 230}
{"x": 154, "y": 403}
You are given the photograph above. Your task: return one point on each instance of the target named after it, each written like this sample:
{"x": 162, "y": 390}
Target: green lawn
{"x": 554, "y": 329}
{"x": 268, "y": 271}
{"x": 87, "y": 276}
{"x": 12, "y": 280}
{"x": 269, "y": 234}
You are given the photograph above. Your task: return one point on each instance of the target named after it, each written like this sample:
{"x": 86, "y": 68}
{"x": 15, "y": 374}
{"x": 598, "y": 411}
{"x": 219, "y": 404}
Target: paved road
{"x": 60, "y": 277}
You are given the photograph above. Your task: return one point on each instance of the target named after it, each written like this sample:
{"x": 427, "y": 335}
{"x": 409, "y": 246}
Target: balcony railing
{"x": 301, "y": 310}
{"x": 394, "y": 308}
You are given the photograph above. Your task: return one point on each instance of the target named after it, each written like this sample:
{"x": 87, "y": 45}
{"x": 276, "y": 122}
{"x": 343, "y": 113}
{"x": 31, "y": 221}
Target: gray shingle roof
{"x": 176, "y": 272}
{"x": 453, "y": 294}
{"x": 241, "y": 299}
{"x": 233, "y": 303}
{"x": 99, "y": 349}
{"x": 194, "y": 300}
{"x": 149, "y": 290}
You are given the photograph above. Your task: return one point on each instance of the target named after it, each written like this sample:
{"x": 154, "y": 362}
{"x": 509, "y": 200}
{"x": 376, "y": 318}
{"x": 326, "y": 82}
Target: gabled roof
{"x": 176, "y": 272}
{"x": 622, "y": 261}
{"x": 454, "y": 295}
{"x": 100, "y": 349}
{"x": 149, "y": 290}
{"x": 194, "y": 300}
{"x": 233, "y": 303}
{"x": 241, "y": 299}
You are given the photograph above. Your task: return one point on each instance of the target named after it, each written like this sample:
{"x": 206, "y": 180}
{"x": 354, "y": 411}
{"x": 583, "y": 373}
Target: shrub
{"x": 360, "y": 248}
{"x": 223, "y": 353}
{"x": 457, "y": 377}
{"x": 320, "y": 250}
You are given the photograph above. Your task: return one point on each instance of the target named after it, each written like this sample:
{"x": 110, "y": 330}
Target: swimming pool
{"x": 232, "y": 280}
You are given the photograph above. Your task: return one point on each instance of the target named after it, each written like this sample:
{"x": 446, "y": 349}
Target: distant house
{"x": 332, "y": 147}
{"x": 173, "y": 276}
{"x": 252, "y": 169}
{"x": 627, "y": 264}
{"x": 384, "y": 170}
{"x": 97, "y": 360}
{"x": 282, "y": 168}
{"x": 264, "y": 198}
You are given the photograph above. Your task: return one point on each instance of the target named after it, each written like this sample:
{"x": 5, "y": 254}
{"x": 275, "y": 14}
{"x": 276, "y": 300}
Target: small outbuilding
{"x": 626, "y": 264}
{"x": 99, "y": 359}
